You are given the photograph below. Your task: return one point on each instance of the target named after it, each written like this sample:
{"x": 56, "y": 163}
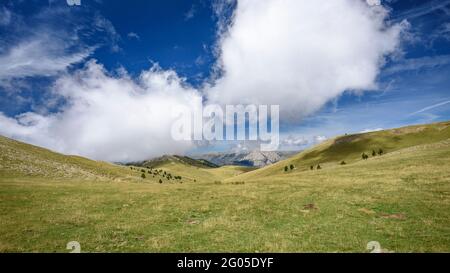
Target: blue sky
{"x": 44, "y": 42}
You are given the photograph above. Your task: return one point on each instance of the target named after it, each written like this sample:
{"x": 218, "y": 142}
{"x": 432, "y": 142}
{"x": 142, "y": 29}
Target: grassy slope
{"x": 350, "y": 147}
{"x": 19, "y": 160}
{"x": 401, "y": 199}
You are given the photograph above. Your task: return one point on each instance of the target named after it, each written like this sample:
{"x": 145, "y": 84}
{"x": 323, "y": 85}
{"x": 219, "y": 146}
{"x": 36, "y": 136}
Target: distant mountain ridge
{"x": 157, "y": 162}
{"x": 248, "y": 159}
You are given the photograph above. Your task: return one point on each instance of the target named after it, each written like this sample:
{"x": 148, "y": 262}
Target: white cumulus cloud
{"x": 373, "y": 2}
{"x": 108, "y": 118}
{"x": 295, "y": 141}
{"x": 300, "y": 54}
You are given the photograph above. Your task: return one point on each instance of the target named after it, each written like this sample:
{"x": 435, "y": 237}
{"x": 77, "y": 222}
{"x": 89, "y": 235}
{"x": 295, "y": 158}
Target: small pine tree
{"x": 143, "y": 175}
{"x": 312, "y": 168}
{"x": 343, "y": 163}
{"x": 380, "y": 151}
{"x": 374, "y": 153}
{"x": 286, "y": 168}
{"x": 160, "y": 181}
{"x": 318, "y": 167}
{"x": 364, "y": 156}
{"x": 292, "y": 167}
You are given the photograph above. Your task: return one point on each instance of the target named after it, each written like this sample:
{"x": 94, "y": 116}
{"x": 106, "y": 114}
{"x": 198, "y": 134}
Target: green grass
{"x": 401, "y": 199}
{"x": 349, "y": 148}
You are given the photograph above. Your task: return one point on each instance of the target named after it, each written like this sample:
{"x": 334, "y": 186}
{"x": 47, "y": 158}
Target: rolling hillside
{"x": 23, "y": 161}
{"x": 19, "y": 161}
{"x": 400, "y": 199}
{"x": 167, "y": 159}
{"x": 190, "y": 169}
{"x": 349, "y": 148}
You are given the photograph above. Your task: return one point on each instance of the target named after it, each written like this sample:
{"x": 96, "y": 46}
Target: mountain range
{"x": 248, "y": 159}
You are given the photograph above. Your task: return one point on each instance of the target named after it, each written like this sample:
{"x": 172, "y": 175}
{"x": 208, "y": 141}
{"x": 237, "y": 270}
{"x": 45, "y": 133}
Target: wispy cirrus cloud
{"x": 39, "y": 56}
{"x": 190, "y": 13}
{"x": 369, "y": 130}
{"x": 43, "y": 52}
{"x": 103, "y": 25}
{"x": 49, "y": 42}
{"x": 133, "y": 35}
{"x": 415, "y": 64}
{"x": 5, "y": 16}
{"x": 431, "y": 107}
{"x": 424, "y": 8}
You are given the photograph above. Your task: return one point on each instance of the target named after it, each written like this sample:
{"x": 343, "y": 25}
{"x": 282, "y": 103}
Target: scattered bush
{"x": 160, "y": 181}
{"x": 143, "y": 175}
{"x": 374, "y": 153}
{"x": 286, "y": 168}
{"x": 343, "y": 163}
{"x": 312, "y": 167}
{"x": 318, "y": 167}
{"x": 380, "y": 151}
{"x": 292, "y": 167}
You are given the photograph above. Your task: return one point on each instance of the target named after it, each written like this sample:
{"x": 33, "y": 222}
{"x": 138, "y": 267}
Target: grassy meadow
{"x": 400, "y": 199}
